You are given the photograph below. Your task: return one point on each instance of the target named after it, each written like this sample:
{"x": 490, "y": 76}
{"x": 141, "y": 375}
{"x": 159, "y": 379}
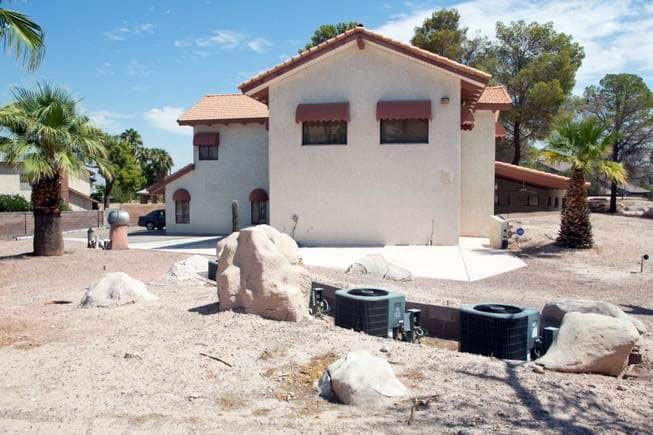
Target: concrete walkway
{"x": 471, "y": 260}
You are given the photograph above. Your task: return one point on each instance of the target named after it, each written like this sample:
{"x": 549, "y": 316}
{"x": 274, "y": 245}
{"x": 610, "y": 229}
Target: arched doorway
{"x": 258, "y": 199}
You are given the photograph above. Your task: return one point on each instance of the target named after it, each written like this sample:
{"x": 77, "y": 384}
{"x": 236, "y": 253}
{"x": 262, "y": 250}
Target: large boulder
{"x": 378, "y": 266}
{"x": 554, "y": 312}
{"x": 116, "y": 288}
{"x": 259, "y": 272}
{"x": 591, "y": 343}
{"x": 361, "y": 379}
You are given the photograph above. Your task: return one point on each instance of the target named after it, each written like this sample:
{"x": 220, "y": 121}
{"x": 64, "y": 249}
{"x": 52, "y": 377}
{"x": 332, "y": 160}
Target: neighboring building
{"x": 74, "y": 191}
{"x": 360, "y": 140}
{"x": 520, "y": 189}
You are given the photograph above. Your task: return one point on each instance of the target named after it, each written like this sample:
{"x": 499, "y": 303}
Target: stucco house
{"x": 75, "y": 191}
{"x": 361, "y": 140}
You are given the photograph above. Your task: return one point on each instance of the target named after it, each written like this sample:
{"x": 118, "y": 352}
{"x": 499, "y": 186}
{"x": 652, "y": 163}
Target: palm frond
{"x": 22, "y": 37}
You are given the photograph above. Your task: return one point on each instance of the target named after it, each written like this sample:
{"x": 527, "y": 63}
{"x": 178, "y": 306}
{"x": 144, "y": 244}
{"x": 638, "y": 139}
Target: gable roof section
{"x": 494, "y": 98}
{"x": 159, "y": 188}
{"x": 476, "y": 78}
{"x": 224, "y": 109}
{"x": 530, "y": 176}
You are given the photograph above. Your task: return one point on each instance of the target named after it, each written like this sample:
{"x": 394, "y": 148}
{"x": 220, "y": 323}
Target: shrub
{"x": 14, "y": 203}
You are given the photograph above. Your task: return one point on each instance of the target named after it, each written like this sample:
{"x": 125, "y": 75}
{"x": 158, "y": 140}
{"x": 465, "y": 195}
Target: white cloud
{"x": 225, "y": 40}
{"x": 136, "y": 69}
{"x": 108, "y": 120}
{"x": 121, "y": 33}
{"x": 165, "y": 118}
{"x": 222, "y": 38}
{"x": 614, "y": 33}
{"x": 259, "y": 45}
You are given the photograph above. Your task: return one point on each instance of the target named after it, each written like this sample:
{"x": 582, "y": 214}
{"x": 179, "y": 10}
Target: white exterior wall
{"x": 365, "y": 192}
{"x": 82, "y": 185}
{"x": 477, "y": 176}
{"x": 242, "y": 166}
{"x": 10, "y": 182}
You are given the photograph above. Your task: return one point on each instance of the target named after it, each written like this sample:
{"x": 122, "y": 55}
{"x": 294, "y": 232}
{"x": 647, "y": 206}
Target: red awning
{"x": 258, "y": 195}
{"x": 322, "y": 112}
{"x": 466, "y": 119}
{"x": 206, "y": 139}
{"x": 415, "y": 109}
{"x": 181, "y": 195}
{"x": 499, "y": 131}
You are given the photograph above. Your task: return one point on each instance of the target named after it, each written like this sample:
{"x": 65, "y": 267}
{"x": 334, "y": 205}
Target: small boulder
{"x": 113, "y": 289}
{"x": 591, "y": 343}
{"x": 361, "y": 379}
{"x": 378, "y": 266}
{"x": 189, "y": 270}
{"x": 648, "y": 213}
{"x": 259, "y": 272}
{"x": 554, "y": 312}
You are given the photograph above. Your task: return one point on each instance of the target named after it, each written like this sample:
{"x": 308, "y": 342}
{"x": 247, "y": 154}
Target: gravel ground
{"x": 140, "y": 368}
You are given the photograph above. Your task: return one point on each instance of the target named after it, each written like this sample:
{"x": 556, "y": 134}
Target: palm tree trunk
{"x": 516, "y": 143}
{"x": 613, "y": 198}
{"x": 575, "y": 225}
{"x": 46, "y": 199}
{"x": 108, "y": 187}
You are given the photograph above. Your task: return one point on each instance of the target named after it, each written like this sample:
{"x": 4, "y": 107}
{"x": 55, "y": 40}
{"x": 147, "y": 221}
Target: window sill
{"x": 324, "y": 144}
{"x": 404, "y": 143}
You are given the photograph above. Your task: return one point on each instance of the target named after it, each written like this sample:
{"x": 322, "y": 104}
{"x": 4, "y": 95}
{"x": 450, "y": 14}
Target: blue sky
{"x": 140, "y": 63}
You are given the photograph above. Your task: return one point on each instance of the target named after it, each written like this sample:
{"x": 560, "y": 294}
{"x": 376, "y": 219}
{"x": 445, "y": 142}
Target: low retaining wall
{"x": 439, "y": 321}
{"x": 19, "y": 224}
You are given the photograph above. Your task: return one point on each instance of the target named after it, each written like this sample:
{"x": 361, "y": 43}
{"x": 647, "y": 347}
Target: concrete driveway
{"x": 471, "y": 260}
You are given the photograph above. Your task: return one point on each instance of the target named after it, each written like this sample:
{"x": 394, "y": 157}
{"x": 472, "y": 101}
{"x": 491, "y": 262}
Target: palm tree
{"x": 49, "y": 139}
{"x": 22, "y": 37}
{"x": 156, "y": 164}
{"x": 585, "y": 146}
{"x": 134, "y": 139}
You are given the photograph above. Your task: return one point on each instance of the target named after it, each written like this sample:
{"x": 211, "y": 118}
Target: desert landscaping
{"x": 176, "y": 364}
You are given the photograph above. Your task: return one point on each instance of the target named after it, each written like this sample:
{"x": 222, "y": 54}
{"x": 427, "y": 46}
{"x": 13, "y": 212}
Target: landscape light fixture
{"x": 444, "y": 100}
{"x": 641, "y": 263}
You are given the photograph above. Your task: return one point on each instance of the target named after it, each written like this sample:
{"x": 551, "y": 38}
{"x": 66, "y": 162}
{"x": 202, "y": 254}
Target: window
{"x": 208, "y": 152}
{"x": 259, "y": 212}
{"x": 324, "y": 133}
{"x": 404, "y": 131}
{"x": 182, "y": 211}
{"x": 556, "y": 202}
{"x": 548, "y": 202}
{"x": 533, "y": 201}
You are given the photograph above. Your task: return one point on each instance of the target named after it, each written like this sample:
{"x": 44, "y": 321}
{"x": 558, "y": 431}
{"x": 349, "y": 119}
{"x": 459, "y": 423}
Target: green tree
{"x": 584, "y": 145}
{"x": 441, "y": 34}
{"x": 328, "y": 31}
{"x": 624, "y": 104}
{"x": 122, "y": 175}
{"x": 155, "y": 164}
{"x": 538, "y": 66}
{"x": 22, "y": 37}
{"x": 48, "y": 138}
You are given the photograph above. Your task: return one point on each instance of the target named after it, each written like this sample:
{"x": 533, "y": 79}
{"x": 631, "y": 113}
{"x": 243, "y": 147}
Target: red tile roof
{"x": 494, "y": 98}
{"x": 215, "y": 109}
{"x": 530, "y": 176}
{"x": 360, "y": 34}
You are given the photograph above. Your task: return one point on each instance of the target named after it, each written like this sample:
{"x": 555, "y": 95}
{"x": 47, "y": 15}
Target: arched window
{"x": 181, "y": 197}
{"x": 259, "y": 203}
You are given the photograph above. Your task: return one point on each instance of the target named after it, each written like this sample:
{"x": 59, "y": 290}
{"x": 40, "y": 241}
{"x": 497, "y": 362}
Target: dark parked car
{"x": 155, "y": 219}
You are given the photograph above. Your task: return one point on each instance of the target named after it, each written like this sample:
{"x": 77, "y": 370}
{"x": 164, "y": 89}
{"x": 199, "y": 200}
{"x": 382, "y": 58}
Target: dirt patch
{"x": 20, "y": 334}
{"x": 297, "y": 381}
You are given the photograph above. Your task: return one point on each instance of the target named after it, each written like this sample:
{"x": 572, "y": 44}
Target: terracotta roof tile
{"x": 356, "y": 33}
{"x": 494, "y": 98}
{"x": 224, "y": 108}
{"x": 530, "y": 176}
